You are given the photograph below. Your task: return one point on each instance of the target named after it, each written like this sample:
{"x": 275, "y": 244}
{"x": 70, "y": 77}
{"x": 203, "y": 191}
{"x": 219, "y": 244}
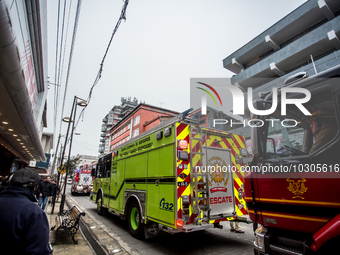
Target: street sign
{"x": 63, "y": 169}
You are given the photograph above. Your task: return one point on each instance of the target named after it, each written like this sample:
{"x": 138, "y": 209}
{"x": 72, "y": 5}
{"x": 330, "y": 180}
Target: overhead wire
{"x": 55, "y": 70}
{"x": 60, "y": 70}
{"x": 98, "y": 76}
{"x": 63, "y": 58}
{"x": 71, "y": 56}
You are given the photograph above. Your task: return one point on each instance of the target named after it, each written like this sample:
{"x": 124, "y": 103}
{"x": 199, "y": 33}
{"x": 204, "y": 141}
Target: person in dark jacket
{"x": 24, "y": 226}
{"x": 45, "y": 190}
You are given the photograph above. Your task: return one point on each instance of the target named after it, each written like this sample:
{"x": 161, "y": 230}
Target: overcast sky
{"x": 160, "y": 46}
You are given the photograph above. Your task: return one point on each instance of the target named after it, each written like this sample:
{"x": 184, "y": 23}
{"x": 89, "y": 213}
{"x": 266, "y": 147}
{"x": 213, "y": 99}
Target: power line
{"x": 62, "y": 56}
{"x": 71, "y": 56}
{"x": 60, "y": 71}
{"x": 55, "y": 69}
{"x": 121, "y": 17}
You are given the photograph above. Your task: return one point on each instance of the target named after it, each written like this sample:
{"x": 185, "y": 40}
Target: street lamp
{"x": 70, "y": 120}
{"x": 53, "y": 167}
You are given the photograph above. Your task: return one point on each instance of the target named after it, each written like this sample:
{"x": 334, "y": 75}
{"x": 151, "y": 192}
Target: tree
{"x": 74, "y": 162}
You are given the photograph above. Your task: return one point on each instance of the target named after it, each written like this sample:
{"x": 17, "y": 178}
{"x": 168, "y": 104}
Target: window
{"x": 306, "y": 134}
{"x": 136, "y": 120}
{"x": 135, "y": 132}
{"x": 128, "y": 127}
{"x": 124, "y": 129}
{"x": 128, "y": 138}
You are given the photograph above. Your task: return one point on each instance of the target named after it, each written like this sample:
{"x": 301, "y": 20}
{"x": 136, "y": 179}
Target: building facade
{"x": 116, "y": 114}
{"x": 87, "y": 160}
{"x": 141, "y": 119}
{"x": 23, "y": 87}
{"x": 303, "y": 43}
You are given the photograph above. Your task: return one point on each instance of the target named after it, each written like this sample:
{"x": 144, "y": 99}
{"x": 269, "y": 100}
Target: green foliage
{"x": 74, "y": 162}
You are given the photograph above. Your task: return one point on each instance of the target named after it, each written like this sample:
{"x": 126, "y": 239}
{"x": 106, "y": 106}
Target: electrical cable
{"x": 121, "y": 17}
{"x": 63, "y": 58}
{"x": 55, "y": 70}
{"x": 60, "y": 72}
{"x": 71, "y": 56}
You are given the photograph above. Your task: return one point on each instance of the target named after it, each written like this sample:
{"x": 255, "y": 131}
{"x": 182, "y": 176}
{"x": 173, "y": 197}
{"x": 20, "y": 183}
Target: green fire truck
{"x": 176, "y": 177}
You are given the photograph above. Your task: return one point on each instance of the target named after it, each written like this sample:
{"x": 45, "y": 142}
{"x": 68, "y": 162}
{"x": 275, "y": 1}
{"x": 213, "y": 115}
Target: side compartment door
{"x": 161, "y": 187}
{"x": 117, "y": 185}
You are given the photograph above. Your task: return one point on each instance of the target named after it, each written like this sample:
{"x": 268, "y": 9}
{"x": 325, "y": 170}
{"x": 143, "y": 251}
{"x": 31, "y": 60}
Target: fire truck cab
{"x": 292, "y": 190}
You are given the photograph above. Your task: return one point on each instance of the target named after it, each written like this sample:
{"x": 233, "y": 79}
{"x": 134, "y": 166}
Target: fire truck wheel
{"x": 329, "y": 247}
{"x": 100, "y": 209}
{"x": 135, "y": 221}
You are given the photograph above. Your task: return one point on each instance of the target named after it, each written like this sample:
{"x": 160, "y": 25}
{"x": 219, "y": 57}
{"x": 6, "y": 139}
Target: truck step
{"x": 204, "y": 207}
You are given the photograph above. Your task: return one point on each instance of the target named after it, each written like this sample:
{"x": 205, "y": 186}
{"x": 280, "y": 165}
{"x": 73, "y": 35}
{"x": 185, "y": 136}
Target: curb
{"x": 110, "y": 242}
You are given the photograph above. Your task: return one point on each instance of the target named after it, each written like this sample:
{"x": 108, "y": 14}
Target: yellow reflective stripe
{"x": 237, "y": 137}
{"x": 290, "y": 216}
{"x": 239, "y": 181}
{"x": 184, "y": 133}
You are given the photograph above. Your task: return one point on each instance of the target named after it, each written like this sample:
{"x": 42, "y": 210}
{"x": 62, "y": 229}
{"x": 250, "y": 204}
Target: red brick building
{"x": 141, "y": 119}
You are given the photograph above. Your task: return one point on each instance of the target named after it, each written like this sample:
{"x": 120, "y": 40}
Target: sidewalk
{"x": 64, "y": 244}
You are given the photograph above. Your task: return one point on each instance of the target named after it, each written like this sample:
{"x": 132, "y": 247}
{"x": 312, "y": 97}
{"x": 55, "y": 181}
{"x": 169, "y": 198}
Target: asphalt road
{"x": 210, "y": 241}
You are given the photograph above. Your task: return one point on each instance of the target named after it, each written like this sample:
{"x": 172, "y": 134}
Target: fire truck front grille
{"x": 281, "y": 249}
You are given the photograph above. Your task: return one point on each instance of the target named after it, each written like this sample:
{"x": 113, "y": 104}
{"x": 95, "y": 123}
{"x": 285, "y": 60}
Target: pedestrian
{"x": 235, "y": 228}
{"x": 24, "y": 226}
{"x": 45, "y": 190}
{"x": 54, "y": 192}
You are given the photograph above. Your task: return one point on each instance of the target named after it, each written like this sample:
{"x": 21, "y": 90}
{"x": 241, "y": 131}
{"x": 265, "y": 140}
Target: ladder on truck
{"x": 199, "y": 179}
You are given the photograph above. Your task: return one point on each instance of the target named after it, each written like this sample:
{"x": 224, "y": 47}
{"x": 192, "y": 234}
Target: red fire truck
{"x": 82, "y": 180}
{"x": 292, "y": 189}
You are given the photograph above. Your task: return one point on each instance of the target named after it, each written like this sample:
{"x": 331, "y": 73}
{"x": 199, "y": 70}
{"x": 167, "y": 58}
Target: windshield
{"x": 297, "y": 134}
{"x": 282, "y": 141}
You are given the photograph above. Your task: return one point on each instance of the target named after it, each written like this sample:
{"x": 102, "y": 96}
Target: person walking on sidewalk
{"x": 45, "y": 190}
{"x": 24, "y": 226}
